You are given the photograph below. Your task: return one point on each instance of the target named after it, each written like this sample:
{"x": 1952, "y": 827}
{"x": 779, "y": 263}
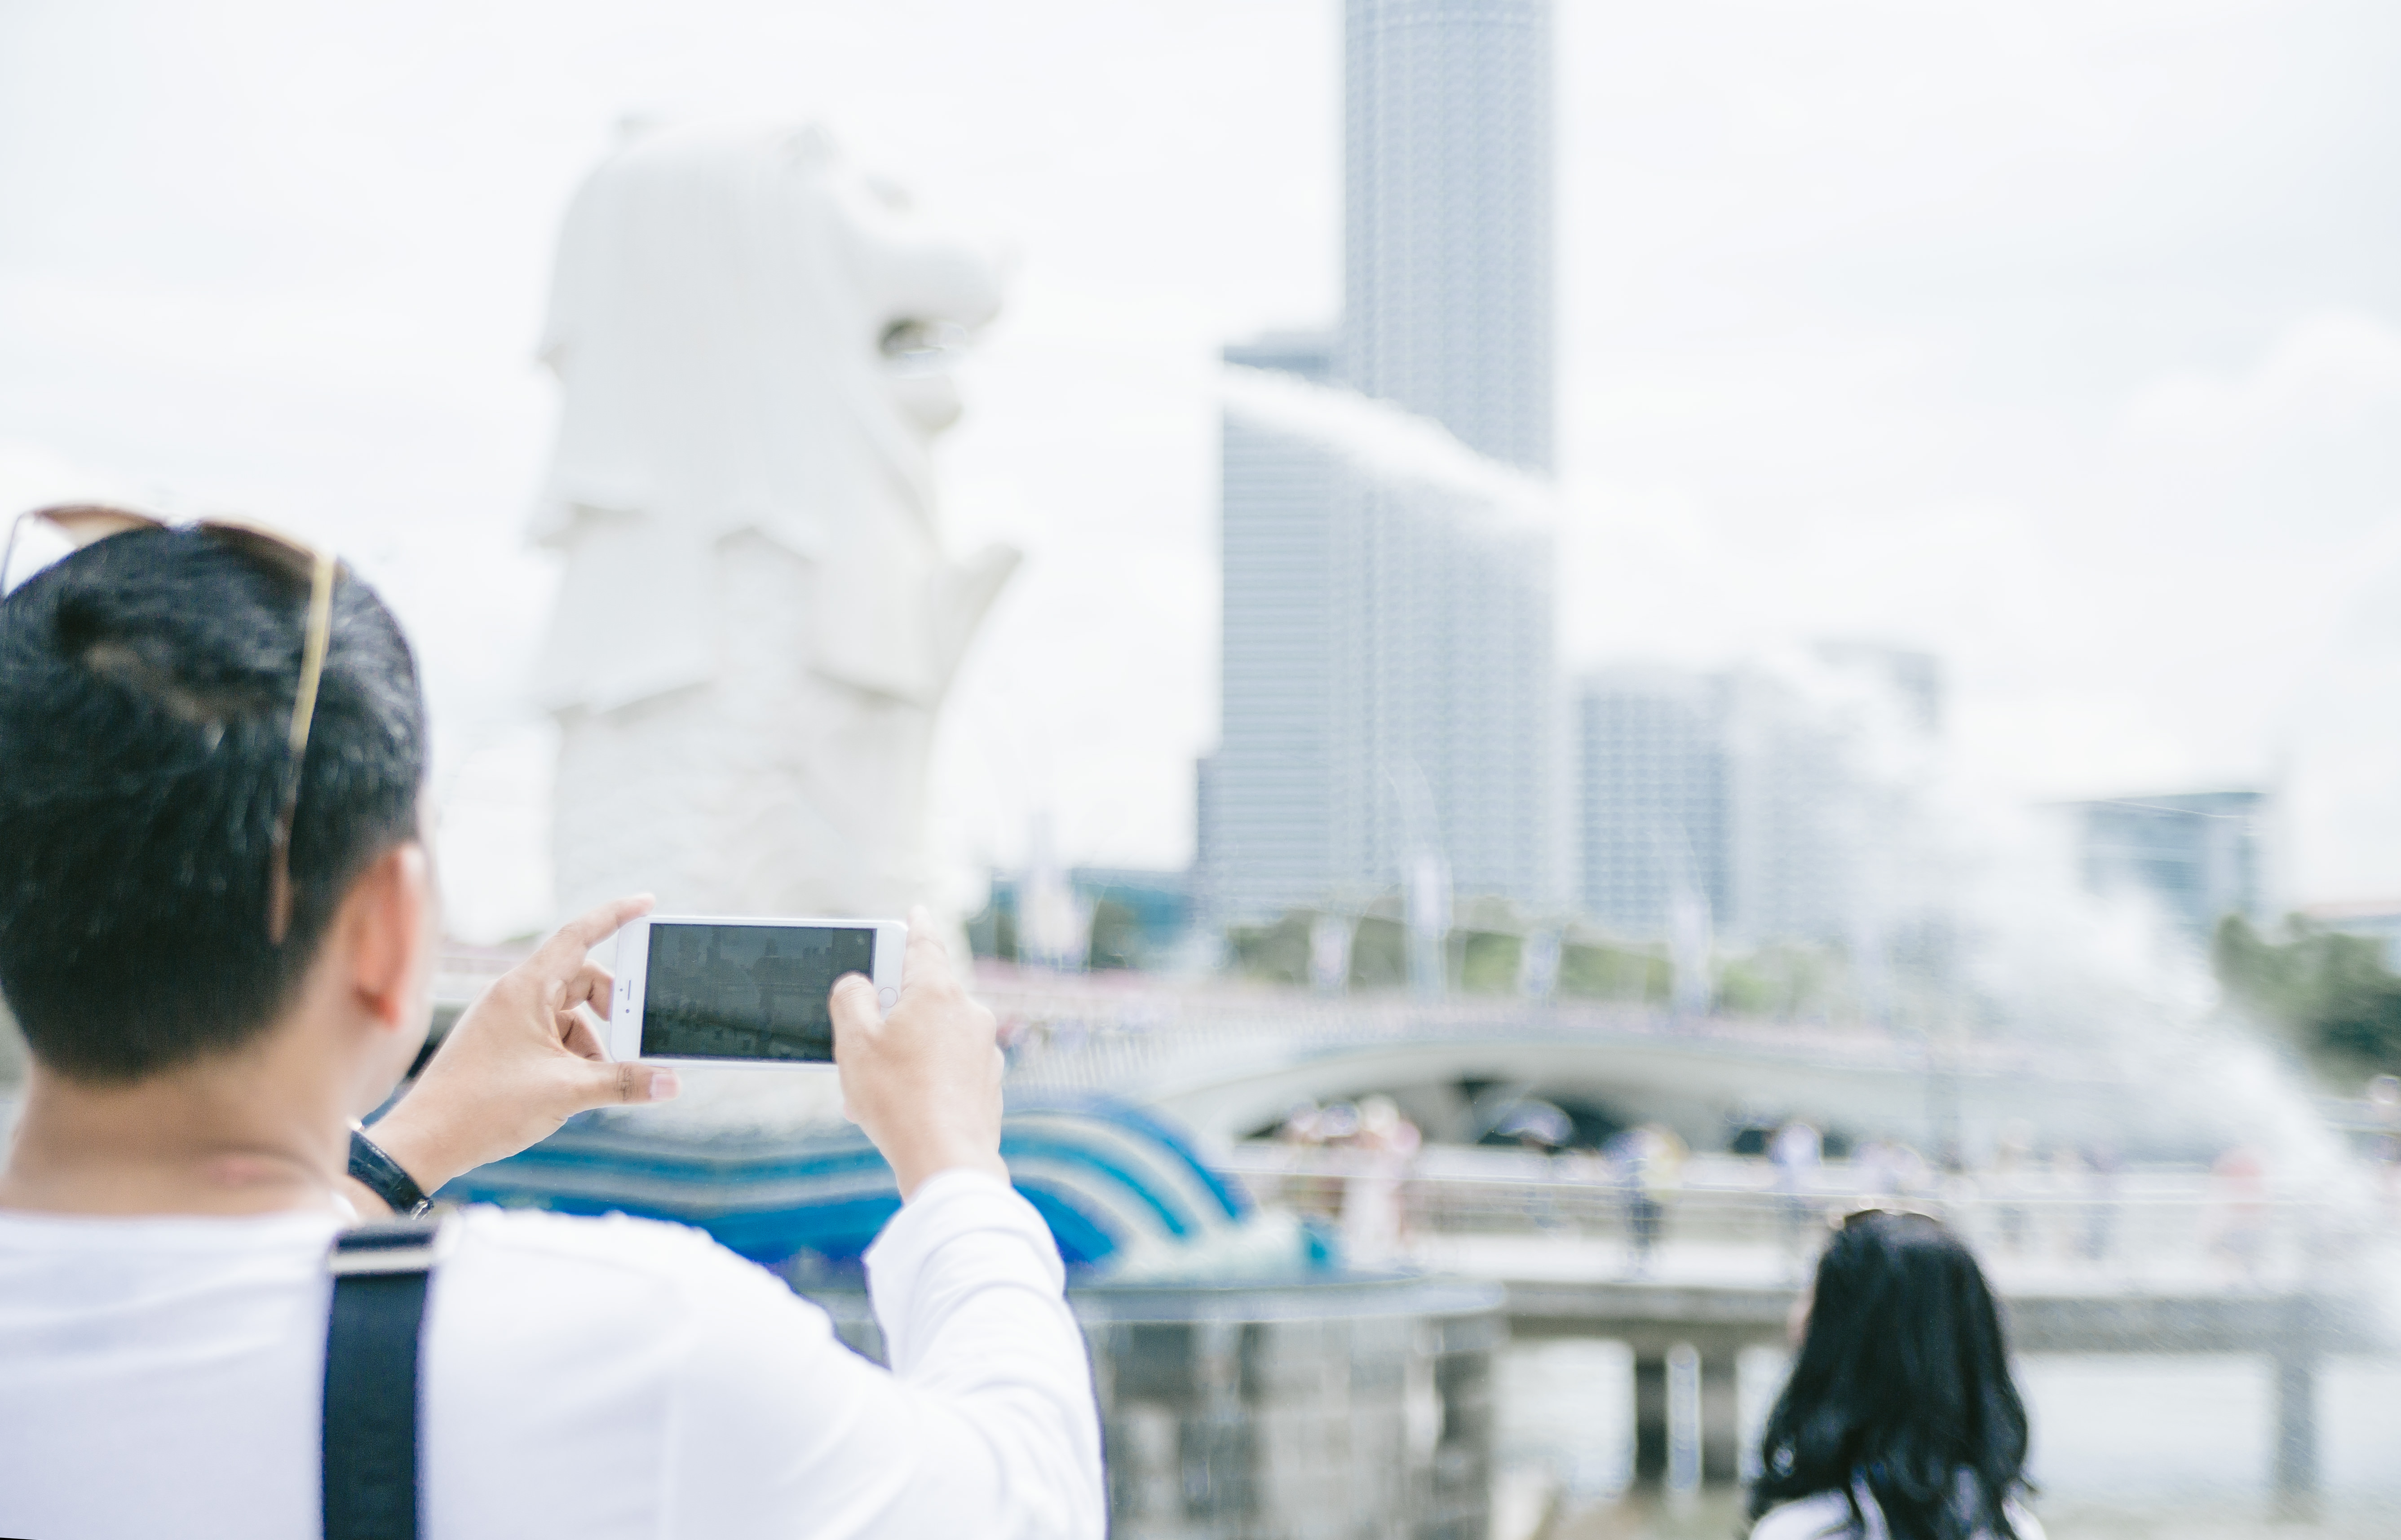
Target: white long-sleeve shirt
{"x": 588, "y": 1378}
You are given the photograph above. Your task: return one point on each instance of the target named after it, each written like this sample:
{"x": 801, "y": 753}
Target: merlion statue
{"x": 759, "y": 620}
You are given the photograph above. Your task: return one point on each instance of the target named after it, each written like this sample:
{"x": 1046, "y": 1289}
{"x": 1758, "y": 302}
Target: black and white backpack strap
{"x": 371, "y": 1476}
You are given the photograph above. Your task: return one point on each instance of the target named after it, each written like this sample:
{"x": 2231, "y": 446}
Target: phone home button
{"x": 888, "y": 996}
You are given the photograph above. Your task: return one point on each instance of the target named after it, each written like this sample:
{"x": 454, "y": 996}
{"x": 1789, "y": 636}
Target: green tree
{"x": 1116, "y": 936}
{"x": 1487, "y": 963}
{"x": 1379, "y": 954}
{"x": 2330, "y": 994}
{"x": 1277, "y": 953}
{"x": 1601, "y": 971}
{"x": 1784, "y": 979}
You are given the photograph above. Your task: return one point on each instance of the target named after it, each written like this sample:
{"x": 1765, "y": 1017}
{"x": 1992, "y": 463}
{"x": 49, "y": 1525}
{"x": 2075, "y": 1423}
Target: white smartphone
{"x": 720, "y": 990}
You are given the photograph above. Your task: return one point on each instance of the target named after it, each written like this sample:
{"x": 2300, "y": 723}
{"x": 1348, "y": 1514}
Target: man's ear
{"x": 389, "y": 915}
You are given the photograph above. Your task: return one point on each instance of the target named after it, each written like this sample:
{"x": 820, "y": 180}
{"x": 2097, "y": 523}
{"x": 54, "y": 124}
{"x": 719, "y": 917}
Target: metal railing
{"x": 1065, "y": 1033}
{"x": 2147, "y": 1226}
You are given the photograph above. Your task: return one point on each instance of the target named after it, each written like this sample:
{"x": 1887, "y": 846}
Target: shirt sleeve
{"x": 985, "y": 1424}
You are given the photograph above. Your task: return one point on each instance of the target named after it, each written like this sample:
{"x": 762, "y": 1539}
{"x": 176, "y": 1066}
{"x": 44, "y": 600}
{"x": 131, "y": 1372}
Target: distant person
{"x": 1299, "y": 1126}
{"x": 217, "y": 930}
{"x": 1900, "y": 1420}
{"x": 1650, "y": 1163}
{"x": 2240, "y": 1211}
{"x": 1374, "y": 1217}
{"x": 2384, "y": 1107}
{"x": 2070, "y": 1182}
{"x": 2009, "y": 1181}
{"x": 1797, "y": 1152}
{"x": 2105, "y": 1170}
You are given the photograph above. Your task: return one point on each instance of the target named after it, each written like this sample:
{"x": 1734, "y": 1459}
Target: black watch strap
{"x": 381, "y": 1175}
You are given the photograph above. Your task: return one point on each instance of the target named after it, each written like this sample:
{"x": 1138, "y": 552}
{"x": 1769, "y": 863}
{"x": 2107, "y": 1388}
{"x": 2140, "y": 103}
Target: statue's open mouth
{"x": 924, "y": 346}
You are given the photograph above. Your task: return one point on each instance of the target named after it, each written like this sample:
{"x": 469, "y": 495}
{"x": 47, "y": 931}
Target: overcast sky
{"x": 2063, "y": 338}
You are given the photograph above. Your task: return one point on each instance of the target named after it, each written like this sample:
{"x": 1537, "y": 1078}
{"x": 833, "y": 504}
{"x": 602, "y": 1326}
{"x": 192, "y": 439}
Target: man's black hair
{"x": 146, "y": 687}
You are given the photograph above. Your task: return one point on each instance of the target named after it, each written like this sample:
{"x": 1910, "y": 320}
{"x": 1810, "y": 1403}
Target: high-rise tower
{"x": 1388, "y": 670}
{"x": 1446, "y": 232}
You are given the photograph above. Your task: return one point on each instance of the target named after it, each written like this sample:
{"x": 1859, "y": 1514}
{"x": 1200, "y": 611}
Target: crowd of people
{"x": 2061, "y": 1204}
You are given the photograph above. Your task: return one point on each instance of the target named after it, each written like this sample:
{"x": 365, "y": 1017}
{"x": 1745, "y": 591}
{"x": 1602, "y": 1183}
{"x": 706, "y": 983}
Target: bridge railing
{"x": 1725, "y": 1216}
{"x": 1068, "y": 1033}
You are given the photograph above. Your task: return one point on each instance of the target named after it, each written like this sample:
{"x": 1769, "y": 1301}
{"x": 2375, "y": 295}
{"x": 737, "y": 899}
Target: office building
{"x": 1387, "y": 662}
{"x": 1388, "y": 678}
{"x": 1447, "y": 217}
{"x": 1800, "y": 839}
{"x": 1267, "y": 800}
{"x": 1768, "y": 795}
{"x": 1649, "y": 789}
{"x": 2199, "y": 856}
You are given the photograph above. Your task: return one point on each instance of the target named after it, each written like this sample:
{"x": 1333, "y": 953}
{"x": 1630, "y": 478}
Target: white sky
{"x": 2063, "y": 336}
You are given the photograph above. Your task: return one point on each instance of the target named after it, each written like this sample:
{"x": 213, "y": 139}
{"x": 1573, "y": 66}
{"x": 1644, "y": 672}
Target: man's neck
{"x": 239, "y": 1135}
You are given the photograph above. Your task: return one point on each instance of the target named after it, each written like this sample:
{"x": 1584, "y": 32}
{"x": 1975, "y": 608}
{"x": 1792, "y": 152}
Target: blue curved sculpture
{"x": 1110, "y": 1179}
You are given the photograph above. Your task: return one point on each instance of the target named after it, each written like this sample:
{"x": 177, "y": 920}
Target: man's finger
{"x": 629, "y": 1081}
{"x": 564, "y": 951}
{"x": 581, "y": 1041}
{"x": 852, "y": 1005}
{"x": 593, "y": 985}
{"x": 927, "y": 961}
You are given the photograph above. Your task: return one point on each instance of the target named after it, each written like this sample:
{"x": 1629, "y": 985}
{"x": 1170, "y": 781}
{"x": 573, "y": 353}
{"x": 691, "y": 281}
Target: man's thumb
{"x": 634, "y": 1083}
{"x": 852, "y": 1005}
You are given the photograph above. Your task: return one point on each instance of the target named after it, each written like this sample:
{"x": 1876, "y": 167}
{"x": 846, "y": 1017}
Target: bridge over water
{"x": 1230, "y": 1061}
{"x": 2151, "y": 1259}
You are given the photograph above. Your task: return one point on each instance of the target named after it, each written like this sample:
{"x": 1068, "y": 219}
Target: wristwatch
{"x": 381, "y": 1175}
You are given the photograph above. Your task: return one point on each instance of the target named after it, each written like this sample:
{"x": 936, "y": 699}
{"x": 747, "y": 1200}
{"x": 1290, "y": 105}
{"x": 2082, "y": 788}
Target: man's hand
{"x": 925, "y": 1081}
{"x": 522, "y": 1060}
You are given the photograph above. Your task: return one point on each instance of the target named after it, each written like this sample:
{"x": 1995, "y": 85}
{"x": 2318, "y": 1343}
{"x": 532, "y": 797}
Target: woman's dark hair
{"x": 1902, "y": 1385}
{"x": 146, "y": 689}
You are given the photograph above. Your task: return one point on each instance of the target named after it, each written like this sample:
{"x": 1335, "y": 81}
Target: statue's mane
{"x": 716, "y": 340}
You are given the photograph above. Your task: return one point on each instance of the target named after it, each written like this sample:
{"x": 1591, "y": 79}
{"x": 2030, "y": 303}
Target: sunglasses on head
{"x": 1848, "y": 1217}
{"x": 84, "y": 523}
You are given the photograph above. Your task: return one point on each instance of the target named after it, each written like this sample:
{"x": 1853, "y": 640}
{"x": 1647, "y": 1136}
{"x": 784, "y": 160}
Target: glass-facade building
{"x": 1753, "y": 790}
{"x": 2199, "y": 856}
{"x": 1649, "y": 789}
{"x": 1388, "y": 678}
{"x": 1447, "y": 217}
{"x": 1387, "y": 661}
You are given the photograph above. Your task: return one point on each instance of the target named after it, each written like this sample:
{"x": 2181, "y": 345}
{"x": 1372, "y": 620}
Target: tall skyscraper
{"x": 1268, "y": 798}
{"x": 1387, "y": 662}
{"x": 1447, "y": 233}
{"x": 1388, "y": 673}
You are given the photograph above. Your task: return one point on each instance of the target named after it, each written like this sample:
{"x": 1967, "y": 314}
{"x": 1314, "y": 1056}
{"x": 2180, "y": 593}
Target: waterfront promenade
{"x": 2180, "y": 1269}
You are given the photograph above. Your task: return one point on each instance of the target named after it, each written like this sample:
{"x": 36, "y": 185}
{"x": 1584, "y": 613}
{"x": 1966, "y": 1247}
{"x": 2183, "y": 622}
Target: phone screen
{"x": 748, "y": 991}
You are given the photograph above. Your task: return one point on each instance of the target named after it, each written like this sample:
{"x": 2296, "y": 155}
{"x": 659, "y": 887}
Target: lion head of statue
{"x": 752, "y": 333}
